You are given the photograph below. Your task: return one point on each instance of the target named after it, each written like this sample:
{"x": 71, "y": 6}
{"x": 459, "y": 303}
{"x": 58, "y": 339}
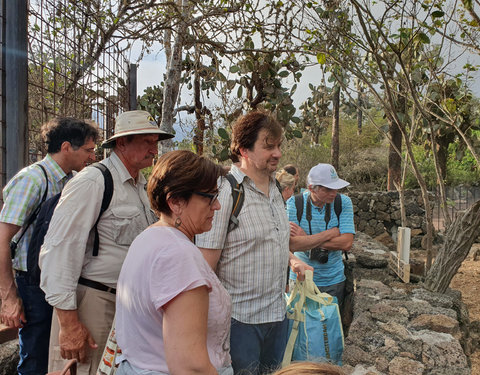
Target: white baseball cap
{"x": 325, "y": 175}
{"x": 135, "y": 122}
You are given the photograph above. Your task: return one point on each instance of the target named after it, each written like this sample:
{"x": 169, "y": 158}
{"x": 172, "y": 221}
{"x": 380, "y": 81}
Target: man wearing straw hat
{"x": 79, "y": 285}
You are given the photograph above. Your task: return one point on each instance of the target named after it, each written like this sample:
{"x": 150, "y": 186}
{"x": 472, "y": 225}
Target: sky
{"x": 152, "y": 68}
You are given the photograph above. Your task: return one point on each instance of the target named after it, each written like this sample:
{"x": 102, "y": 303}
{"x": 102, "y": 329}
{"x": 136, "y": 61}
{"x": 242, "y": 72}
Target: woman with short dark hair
{"x": 173, "y": 314}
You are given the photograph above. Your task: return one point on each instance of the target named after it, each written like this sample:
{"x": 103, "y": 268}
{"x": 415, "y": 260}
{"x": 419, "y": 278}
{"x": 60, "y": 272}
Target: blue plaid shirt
{"x": 23, "y": 194}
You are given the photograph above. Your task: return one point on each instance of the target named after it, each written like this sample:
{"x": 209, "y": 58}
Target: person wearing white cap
{"x": 78, "y": 284}
{"x": 325, "y": 254}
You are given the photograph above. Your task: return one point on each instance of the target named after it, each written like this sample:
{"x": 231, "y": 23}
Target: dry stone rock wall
{"x": 402, "y": 328}
{"x": 378, "y": 213}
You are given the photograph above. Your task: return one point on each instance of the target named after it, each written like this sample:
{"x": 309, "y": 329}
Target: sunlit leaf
{"x": 321, "y": 58}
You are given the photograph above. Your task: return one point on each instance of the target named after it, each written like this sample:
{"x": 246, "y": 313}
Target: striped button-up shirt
{"x": 254, "y": 258}
{"x": 23, "y": 194}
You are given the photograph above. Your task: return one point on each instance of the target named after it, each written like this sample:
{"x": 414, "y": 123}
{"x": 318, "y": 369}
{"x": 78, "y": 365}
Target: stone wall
{"x": 378, "y": 213}
{"x": 399, "y": 328}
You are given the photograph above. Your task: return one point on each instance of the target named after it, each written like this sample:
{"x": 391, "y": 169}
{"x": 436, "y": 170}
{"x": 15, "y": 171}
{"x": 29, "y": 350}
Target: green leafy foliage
{"x": 459, "y": 171}
{"x": 152, "y": 101}
{"x": 260, "y": 81}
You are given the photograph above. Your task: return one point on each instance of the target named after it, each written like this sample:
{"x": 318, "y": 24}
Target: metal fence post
{"x": 16, "y": 83}
{"x": 132, "y": 83}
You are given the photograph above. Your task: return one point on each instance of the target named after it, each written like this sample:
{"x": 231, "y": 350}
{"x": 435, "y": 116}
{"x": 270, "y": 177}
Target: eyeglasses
{"x": 213, "y": 197}
{"x": 89, "y": 150}
{"x": 324, "y": 188}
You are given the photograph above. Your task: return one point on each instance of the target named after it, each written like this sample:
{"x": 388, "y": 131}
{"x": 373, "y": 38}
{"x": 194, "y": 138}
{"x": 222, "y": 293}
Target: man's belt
{"x": 96, "y": 285}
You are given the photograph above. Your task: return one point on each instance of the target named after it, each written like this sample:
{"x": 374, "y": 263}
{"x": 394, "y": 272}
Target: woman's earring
{"x": 178, "y": 222}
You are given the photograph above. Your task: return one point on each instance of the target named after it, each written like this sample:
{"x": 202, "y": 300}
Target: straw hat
{"x": 135, "y": 122}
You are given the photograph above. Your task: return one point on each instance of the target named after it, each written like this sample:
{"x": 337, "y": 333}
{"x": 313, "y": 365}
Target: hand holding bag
{"x": 315, "y": 325}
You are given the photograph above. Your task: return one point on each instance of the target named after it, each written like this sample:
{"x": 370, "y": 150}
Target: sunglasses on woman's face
{"x": 213, "y": 197}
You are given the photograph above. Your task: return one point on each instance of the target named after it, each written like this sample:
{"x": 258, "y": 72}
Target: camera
{"x": 319, "y": 254}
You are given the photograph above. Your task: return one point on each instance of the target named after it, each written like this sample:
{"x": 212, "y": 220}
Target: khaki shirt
{"x": 67, "y": 250}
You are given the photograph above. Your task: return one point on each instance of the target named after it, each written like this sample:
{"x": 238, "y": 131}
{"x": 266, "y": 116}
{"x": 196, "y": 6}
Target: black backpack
{"x": 43, "y": 221}
{"x": 337, "y": 207}
{"x": 238, "y": 195}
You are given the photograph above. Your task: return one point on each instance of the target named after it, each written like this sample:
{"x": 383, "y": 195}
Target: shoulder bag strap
{"x": 238, "y": 196}
{"x": 107, "y": 198}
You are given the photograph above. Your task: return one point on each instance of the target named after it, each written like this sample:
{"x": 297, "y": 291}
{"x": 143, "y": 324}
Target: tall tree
{"x": 394, "y": 59}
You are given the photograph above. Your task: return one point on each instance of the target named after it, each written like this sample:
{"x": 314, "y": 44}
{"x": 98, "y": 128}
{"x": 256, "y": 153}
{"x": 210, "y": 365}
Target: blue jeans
{"x": 34, "y": 337}
{"x": 257, "y": 348}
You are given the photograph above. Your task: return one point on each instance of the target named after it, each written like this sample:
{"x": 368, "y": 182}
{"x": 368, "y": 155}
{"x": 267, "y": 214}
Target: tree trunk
{"x": 394, "y": 176}
{"x": 172, "y": 83}
{"x": 459, "y": 239}
{"x": 359, "y": 111}
{"x": 199, "y": 115}
{"x": 334, "y": 149}
{"x": 441, "y": 173}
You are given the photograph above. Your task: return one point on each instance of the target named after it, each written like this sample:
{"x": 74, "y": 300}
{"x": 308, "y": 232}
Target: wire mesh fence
{"x": 459, "y": 199}
{"x": 72, "y": 71}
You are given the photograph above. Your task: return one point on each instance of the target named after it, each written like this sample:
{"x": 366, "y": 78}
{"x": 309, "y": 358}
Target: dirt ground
{"x": 467, "y": 281}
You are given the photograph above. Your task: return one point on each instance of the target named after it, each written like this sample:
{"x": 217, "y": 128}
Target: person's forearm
{"x": 8, "y": 289}
{"x": 67, "y": 318}
{"x": 302, "y": 243}
{"x": 74, "y": 338}
{"x": 342, "y": 242}
{"x": 7, "y": 283}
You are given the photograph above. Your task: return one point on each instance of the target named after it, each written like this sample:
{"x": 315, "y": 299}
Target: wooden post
{"x": 399, "y": 262}
{"x": 16, "y": 84}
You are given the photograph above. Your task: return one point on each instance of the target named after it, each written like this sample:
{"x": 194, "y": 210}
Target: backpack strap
{"x": 238, "y": 195}
{"x": 32, "y": 217}
{"x": 279, "y": 187}
{"x": 299, "y": 206}
{"x": 308, "y": 214}
{"x": 107, "y": 198}
{"x": 337, "y": 207}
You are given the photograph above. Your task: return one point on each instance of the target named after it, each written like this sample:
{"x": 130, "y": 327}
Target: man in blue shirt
{"x": 326, "y": 255}
{"x": 71, "y": 145}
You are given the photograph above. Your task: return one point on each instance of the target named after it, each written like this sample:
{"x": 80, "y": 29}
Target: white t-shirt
{"x": 162, "y": 263}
